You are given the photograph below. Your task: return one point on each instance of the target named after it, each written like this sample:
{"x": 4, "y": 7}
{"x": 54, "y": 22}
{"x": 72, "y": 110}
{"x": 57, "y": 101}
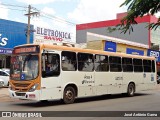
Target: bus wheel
{"x": 69, "y": 95}
{"x": 131, "y": 90}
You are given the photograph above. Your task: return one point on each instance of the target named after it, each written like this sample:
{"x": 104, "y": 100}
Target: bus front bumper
{"x": 25, "y": 95}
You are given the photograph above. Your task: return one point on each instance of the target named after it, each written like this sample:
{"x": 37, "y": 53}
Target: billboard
{"x": 46, "y": 35}
{"x": 13, "y": 34}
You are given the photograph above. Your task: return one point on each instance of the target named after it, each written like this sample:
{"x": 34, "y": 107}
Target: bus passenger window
{"x": 153, "y": 66}
{"x": 127, "y": 64}
{"x": 52, "y": 64}
{"x": 115, "y": 64}
{"x": 69, "y": 62}
{"x": 85, "y": 62}
{"x": 137, "y": 63}
{"x": 147, "y": 65}
{"x": 101, "y": 63}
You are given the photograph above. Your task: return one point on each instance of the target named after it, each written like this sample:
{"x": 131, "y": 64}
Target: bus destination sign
{"x": 28, "y": 49}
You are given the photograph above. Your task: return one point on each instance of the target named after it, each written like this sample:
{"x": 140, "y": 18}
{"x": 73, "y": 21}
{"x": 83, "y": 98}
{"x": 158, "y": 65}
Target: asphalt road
{"x": 96, "y": 107}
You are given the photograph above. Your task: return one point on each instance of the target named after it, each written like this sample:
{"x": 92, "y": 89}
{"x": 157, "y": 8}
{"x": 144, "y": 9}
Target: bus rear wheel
{"x": 131, "y": 90}
{"x": 69, "y": 95}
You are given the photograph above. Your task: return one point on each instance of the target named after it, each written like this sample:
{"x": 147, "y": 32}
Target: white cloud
{"x": 96, "y": 10}
{"x": 3, "y": 12}
{"x": 48, "y": 10}
{"x": 48, "y": 19}
{"x": 40, "y": 23}
{"x": 55, "y": 24}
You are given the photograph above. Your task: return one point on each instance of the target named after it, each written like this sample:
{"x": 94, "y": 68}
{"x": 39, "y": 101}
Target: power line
{"x": 13, "y": 5}
{"x": 13, "y": 9}
{"x": 59, "y": 20}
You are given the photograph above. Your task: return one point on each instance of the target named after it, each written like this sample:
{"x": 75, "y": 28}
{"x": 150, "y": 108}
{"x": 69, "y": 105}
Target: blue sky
{"x": 74, "y": 11}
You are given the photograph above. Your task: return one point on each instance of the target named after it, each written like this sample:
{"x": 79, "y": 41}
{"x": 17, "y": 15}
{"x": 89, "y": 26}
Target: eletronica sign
{"x": 51, "y": 35}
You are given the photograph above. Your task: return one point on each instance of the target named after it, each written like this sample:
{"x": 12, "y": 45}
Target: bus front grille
{"x": 21, "y": 85}
{"x": 20, "y": 94}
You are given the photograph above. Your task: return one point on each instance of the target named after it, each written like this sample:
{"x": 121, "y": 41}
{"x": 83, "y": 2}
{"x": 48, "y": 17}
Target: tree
{"x": 137, "y": 8}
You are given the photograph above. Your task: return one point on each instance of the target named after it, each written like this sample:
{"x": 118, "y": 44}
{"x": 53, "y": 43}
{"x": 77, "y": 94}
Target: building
{"x": 101, "y": 42}
{"x": 11, "y": 34}
{"x": 140, "y": 35}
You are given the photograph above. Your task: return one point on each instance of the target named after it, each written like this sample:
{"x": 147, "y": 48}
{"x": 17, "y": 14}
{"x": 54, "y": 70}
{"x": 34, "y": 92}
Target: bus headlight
{"x": 34, "y": 87}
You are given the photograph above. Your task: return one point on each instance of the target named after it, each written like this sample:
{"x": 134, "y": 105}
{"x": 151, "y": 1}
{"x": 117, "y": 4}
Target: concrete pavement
{"x": 4, "y": 91}
{"x": 4, "y": 95}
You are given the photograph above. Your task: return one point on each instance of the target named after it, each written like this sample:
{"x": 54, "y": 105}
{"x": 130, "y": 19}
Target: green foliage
{"x": 137, "y": 8}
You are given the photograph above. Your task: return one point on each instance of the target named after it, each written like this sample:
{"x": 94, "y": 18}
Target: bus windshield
{"x": 24, "y": 67}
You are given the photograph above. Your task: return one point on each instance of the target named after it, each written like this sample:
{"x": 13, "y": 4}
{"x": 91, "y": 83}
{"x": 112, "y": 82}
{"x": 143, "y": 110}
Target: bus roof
{"x": 74, "y": 49}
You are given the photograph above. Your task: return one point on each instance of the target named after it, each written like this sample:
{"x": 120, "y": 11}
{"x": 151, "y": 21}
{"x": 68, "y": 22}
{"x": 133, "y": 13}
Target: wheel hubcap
{"x": 69, "y": 95}
{"x": 131, "y": 90}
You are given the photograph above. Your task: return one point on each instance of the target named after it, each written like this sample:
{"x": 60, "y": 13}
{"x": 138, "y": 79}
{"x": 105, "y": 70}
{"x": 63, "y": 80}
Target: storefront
{"x": 112, "y": 44}
{"x": 11, "y": 34}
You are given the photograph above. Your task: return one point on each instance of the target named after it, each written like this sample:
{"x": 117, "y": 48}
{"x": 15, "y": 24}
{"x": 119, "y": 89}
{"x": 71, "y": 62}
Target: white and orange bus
{"x": 48, "y": 72}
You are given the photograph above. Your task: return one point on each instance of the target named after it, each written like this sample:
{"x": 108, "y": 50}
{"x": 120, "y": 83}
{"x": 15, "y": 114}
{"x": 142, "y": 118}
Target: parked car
{"x": 4, "y": 75}
{"x": 1, "y": 83}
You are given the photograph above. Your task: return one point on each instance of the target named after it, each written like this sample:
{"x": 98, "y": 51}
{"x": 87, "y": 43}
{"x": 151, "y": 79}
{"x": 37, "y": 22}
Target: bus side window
{"x": 101, "y": 63}
{"x": 127, "y": 64}
{"x": 153, "y": 66}
{"x": 85, "y": 62}
{"x": 68, "y": 60}
{"x": 51, "y": 65}
{"x": 115, "y": 64}
{"x": 147, "y": 65}
{"x": 137, "y": 63}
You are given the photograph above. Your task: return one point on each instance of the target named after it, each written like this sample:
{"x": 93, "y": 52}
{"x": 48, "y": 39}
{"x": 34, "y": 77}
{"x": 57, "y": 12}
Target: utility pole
{"x": 29, "y": 14}
{"x": 28, "y": 30}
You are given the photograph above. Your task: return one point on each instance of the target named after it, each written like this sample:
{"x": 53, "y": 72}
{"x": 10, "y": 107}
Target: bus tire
{"x": 69, "y": 95}
{"x": 131, "y": 90}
